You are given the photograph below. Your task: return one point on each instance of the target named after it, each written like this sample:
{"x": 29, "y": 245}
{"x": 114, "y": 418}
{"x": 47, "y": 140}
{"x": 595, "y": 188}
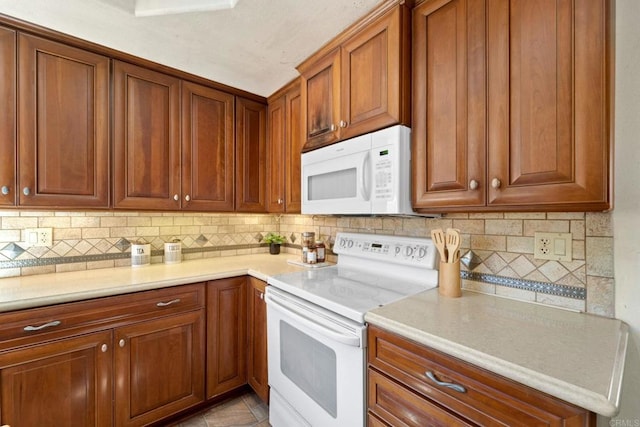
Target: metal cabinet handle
{"x": 104, "y": 348}
{"x": 121, "y": 343}
{"x": 39, "y": 328}
{"x": 343, "y": 124}
{"x": 187, "y": 198}
{"x": 5, "y": 190}
{"x": 165, "y": 304}
{"x": 496, "y": 183}
{"x": 452, "y": 386}
{"x": 473, "y": 184}
{"x": 26, "y": 191}
{"x": 176, "y": 197}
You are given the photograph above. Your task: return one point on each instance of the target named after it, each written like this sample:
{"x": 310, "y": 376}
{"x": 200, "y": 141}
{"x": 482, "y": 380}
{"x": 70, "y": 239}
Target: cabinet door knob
{"x": 496, "y": 183}
{"x": 333, "y": 127}
{"x": 104, "y": 348}
{"x": 26, "y": 191}
{"x": 473, "y": 184}
{"x": 343, "y": 124}
{"x": 187, "y": 198}
{"x": 5, "y": 190}
{"x": 121, "y": 343}
{"x": 261, "y": 295}
{"x": 280, "y": 201}
{"x": 176, "y": 197}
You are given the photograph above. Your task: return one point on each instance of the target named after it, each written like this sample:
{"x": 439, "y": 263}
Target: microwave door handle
{"x": 350, "y": 340}
{"x": 364, "y": 188}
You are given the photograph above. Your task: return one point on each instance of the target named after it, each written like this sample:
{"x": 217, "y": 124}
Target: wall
{"x": 626, "y": 214}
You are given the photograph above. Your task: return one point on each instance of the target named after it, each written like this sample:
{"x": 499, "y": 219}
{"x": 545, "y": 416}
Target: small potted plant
{"x": 274, "y": 240}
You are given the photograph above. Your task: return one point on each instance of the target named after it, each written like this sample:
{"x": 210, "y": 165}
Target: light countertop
{"x": 46, "y": 289}
{"x": 576, "y": 357}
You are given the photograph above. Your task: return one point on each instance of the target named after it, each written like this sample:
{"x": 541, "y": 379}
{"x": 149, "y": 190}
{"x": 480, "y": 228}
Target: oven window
{"x": 311, "y": 365}
{"x": 340, "y": 184}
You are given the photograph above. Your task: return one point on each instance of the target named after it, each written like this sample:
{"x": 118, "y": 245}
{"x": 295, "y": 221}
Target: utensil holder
{"x": 449, "y": 279}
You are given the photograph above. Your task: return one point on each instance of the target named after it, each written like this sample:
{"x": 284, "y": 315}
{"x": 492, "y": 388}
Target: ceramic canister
{"x": 173, "y": 252}
{"x": 140, "y": 254}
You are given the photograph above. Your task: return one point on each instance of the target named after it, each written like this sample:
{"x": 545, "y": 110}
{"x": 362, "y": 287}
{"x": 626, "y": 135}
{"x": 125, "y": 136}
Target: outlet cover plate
{"x": 552, "y": 246}
{"x": 34, "y": 237}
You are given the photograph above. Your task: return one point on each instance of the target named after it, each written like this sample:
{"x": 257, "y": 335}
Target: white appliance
{"x": 368, "y": 174}
{"x": 316, "y": 332}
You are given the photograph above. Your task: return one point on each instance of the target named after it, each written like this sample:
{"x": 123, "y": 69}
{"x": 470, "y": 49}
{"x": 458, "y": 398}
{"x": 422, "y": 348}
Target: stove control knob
{"x": 342, "y": 242}
{"x": 398, "y": 249}
{"x": 408, "y": 251}
{"x": 350, "y": 243}
{"x": 422, "y": 252}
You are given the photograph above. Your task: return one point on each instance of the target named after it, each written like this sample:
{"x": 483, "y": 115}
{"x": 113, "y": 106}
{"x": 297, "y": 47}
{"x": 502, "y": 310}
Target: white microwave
{"x": 368, "y": 174}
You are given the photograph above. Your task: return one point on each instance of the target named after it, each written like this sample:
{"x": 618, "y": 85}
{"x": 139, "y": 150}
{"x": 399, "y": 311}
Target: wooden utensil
{"x": 438, "y": 239}
{"x": 453, "y": 244}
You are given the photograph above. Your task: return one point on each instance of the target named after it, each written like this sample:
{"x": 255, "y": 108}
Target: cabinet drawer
{"x": 486, "y": 399}
{"x": 52, "y": 322}
{"x": 399, "y": 406}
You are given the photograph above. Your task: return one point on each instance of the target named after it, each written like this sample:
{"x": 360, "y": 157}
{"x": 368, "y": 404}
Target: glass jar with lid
{"x": 308, "y": 240}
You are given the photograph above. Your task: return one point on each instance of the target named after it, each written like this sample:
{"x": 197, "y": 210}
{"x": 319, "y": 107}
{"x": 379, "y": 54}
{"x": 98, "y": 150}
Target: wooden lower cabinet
{"x": 60, "y": 383}
{"x": 401, "y": 394}
{"x": 159, "y": 367}
{"x": 226, "y": 335}
{"x": 257, "y": 366}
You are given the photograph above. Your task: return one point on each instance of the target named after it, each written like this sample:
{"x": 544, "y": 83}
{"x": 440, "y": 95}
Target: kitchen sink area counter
{"x": 576, "y": 357}
{"x": 46, "y": 289}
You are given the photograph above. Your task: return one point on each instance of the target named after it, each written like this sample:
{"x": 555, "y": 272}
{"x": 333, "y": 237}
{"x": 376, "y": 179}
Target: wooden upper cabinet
{"x": 361, "y": 81}
{"x": 251, "y": 155}
{"x": 8, "y": 117}
{"x": 207, "y": 149}
{"x": 146, "y": 138}
{"x": 549, "y": 88}
{"x": 449, "y": 104}
{"x": 63, "y": 137}
{"x": 284, "y": 150}
{"x": 511, "y": 105}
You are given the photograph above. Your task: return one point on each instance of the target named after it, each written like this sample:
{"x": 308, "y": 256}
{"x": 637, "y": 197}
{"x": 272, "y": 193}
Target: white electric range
{"x": 316, "y": 330}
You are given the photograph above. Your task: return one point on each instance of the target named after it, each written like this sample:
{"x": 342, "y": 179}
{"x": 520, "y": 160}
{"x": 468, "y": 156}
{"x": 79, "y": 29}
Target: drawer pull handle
{"x": 38, "y": 328}
{"x": 452, "y": 386}
{"x": 165, "y": 304}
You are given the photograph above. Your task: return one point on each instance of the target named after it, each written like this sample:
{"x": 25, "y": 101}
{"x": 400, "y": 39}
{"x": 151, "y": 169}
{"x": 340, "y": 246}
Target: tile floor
{"x": 243, "y": 411}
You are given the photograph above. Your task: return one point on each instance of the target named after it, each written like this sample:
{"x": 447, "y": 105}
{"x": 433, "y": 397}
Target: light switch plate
{"x": 34, "y": 237}
{"x": 552, "y": 246}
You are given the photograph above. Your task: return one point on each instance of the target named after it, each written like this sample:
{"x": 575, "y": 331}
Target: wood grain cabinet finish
{"x": 60, "y": 383}
{"x": 208, "y": 173}
{"x": 63, "y": 132}
{"x": 146, "y": 138}
{"x": 8, "y": 117}
{"x": 257, "y": 361}
{"x": 362, "y": 84}
{"x": 402, "y": 394}
{"x": 511, "y": 105}
{"x": 284, "y": 150}
{"x": 251, "y": 155}
{"x": 226, "y": 335}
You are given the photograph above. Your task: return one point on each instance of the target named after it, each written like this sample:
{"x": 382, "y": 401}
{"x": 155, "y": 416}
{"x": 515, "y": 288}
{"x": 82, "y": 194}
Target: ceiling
{"x": 254, "y": 46}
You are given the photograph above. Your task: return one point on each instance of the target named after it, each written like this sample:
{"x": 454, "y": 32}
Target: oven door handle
{"x": 347, "y": 339}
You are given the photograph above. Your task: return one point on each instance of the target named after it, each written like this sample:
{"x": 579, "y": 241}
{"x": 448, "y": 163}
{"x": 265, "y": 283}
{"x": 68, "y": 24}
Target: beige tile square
{"x": 92, "y": 233}
{"x": 503, "y": 227}
{"x": 523, "y": 245}
{"x": 469, "y": 226}
{"x": 599, "y": 256}
{"x": 492, "y": 243}
{"x": 577, "y": 229}
{"x": 139, "y": 221}
{"x": 599, "y": 224}
{"x": 18, "y": 223}
{"x": 600, "y": 296}
{"x": 55, "y": 222}
{"x": 86, "y": 221}
{"x": 556, "y": 226}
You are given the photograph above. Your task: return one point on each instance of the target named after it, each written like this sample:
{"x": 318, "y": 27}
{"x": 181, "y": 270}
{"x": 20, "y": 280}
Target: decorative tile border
{"x": 574, "y": 292}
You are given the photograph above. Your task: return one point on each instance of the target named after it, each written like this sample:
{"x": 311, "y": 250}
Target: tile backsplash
{"x": 501, "y": 245}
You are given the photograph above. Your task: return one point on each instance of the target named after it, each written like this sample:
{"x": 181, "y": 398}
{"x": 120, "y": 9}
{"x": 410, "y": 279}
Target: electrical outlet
{"x": 38, "y": 237}
{"x": 552, "y": 246}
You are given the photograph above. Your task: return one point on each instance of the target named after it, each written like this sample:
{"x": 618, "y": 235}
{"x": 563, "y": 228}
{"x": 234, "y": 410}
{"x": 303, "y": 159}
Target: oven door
{"x": 316, "y": 365}
{"x": 337, "y": 179}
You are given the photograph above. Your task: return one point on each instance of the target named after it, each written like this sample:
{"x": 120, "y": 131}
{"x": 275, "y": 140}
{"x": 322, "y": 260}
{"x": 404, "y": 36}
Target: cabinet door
{"x": 449, "y": 104}
{"x": 293, "y": 150}
{"x": 549, "y": 77}
{"x": 321, "y": 101}
{"x": 251, "y": 155}
{"x": 276, "y": 170}
{"x": 8, "y": 78}
{"x": 146, "y": 138}
{"x": 258, "y": 368}
{"x": 373, "y": 83}
{"x": 226, "y": 335}
{"x": 159, "y": 368}
{"x": 61, "y": 383}
{"x": 207, "y": 148}
{"x": 63, "y": 134}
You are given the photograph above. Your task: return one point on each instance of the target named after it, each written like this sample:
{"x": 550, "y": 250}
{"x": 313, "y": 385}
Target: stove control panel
{"x": 394, "y": 249}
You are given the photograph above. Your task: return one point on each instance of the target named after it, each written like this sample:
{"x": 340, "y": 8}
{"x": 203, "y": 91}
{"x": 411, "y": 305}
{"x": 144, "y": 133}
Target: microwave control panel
{"x": 383, "y": 174}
